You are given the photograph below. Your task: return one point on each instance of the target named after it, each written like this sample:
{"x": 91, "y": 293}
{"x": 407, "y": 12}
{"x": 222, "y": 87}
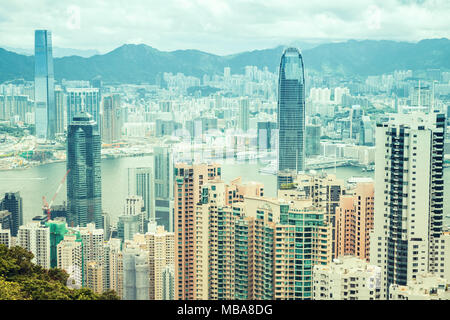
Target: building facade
{"x": 45, "y": 108}
{"x": 189, "y": 242}
{"x": 409, "y": 195}
{"x": 84, "y": 185}
{"x": 291, "y": 111}
{"x": 346, "y": 278}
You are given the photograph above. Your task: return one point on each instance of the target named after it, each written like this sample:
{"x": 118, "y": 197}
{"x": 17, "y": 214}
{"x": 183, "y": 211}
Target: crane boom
{"x": 49, "y": 206}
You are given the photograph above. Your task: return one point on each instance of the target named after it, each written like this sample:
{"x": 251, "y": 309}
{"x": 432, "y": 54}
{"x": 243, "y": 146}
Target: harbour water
{"x": 35, "y": 182}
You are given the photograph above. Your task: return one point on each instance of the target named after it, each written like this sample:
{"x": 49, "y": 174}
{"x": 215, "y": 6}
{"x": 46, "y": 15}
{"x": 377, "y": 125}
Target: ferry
{"x": 269, "y": 169}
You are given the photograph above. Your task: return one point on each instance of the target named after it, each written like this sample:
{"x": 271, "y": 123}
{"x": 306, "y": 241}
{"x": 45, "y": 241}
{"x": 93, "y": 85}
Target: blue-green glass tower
{"x": 84, "y": 184}
{"x": 45, "y": 111}
{"x": 291, "y": 111}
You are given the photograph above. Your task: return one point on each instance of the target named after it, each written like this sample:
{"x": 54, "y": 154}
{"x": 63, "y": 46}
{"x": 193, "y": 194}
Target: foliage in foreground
{"x": 20, "y": 279}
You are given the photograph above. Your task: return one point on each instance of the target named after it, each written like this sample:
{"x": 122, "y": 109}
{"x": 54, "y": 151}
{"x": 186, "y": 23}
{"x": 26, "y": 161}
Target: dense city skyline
{"x": 147, "y": 175}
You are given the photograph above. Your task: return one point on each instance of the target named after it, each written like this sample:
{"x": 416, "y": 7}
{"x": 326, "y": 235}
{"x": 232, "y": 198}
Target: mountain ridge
{"x": 140, "y": 63}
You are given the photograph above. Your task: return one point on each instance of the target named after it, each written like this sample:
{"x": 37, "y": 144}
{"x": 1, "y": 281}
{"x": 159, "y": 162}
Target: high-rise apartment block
{"x": 92, "y": 240}
{"x": 324, "y": 190}
{"x": 115, "y": 269}
{"x": 302, "y": 240}
{"x": 160, "y": 246}
{"x": 94, "y": 276}
{"x": 36, "y": 239}
{"x": 70, "y": 259}
{"x": 188, "y": 242}
{"x": 409, "y": 196}
{"x": 112, "y": 119}
{"x": 354, "y": 222}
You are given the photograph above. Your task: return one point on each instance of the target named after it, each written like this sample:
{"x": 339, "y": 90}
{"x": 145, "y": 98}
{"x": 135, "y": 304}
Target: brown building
{"x": 191, "y": 230}
{"x": 354, "y": 222}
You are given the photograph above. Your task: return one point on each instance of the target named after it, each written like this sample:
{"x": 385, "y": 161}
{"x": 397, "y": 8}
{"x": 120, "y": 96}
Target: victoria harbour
{"x": 43, "y": 180}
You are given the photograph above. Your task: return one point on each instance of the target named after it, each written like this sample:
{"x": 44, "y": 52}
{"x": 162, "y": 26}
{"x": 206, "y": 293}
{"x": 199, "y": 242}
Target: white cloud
{"x": 218, "y": 26}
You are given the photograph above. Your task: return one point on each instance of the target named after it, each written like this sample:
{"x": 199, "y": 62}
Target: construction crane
{"x": 47, "y": 207}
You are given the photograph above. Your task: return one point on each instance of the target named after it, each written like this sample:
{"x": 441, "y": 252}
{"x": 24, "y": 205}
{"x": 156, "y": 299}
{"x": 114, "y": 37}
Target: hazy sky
{"x": 217, "y": 26}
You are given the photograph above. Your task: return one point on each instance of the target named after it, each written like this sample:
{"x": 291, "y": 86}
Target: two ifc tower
{"x": 84, "y": 202}
{"x": 291, "y": 112}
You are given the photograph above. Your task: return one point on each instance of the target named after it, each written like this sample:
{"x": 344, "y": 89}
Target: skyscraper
{"x": 13, "y": 203}
{"x": 70, "y": 258}
{"x": 163, "y": 190}
{"x": 84, "y": 185}
{"x": 409, "y": 196}
{"x": 135, "y": 274}
{"x": 312, "y": 147}
{"x": 266, "y": 131}
{"x": 92, "y": 240}
{"x": 354, "y": 222}
{"x": 291, "y": 111}
{"x": 244, "y": 113}
{"x": 112, "y": 120}
{"x": 190, "y": 282}
{"x": 59, "y": 109}
{"x": 85, "y": 99}
{"x": 133, "y": 220}
{"x": 140, "y": 183}
{"x": 160, "y": 246}
{"x": 36, "y": 239}
{"x": 45, "y": 109}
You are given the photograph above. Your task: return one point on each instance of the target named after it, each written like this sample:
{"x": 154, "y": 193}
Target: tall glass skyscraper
{"x": 84, "y": 184}
{"x": 140, "y": 183}
{"x": 291, "y": 111}
{"x": 45, "y": 108}
{"x": 163, "y": 191}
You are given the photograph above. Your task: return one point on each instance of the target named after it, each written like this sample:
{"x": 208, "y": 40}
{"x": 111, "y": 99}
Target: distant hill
{"x": 141, "y": 63}
{"x": 57, "y": 52}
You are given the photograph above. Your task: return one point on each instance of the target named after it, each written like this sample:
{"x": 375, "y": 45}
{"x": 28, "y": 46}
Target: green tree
{"x": 20, "y": 279}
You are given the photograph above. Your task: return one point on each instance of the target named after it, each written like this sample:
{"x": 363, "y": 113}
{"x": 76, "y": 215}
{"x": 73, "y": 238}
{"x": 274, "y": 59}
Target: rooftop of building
{"x": 424, "y": 285}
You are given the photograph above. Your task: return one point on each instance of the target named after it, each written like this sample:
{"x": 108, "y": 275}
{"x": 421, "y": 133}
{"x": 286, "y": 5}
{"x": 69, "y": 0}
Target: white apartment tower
{"x": 93, "y": 240}
{"x": 244, "y": 114}
{"x": 36, "y": 239}
{"x": 409, "y": 196}
{"x": 5, "y": 237}
{"x": 70, "y": 259}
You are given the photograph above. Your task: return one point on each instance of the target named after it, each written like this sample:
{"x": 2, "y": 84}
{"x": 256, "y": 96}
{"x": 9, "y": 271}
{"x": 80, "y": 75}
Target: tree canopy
{"x": 20, "y": 279}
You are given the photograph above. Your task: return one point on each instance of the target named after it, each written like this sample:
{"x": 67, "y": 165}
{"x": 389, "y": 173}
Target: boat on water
{"x": 353, "y": 180}
{"x": 368, "y": 168}
{"x": 269, "y": 169}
